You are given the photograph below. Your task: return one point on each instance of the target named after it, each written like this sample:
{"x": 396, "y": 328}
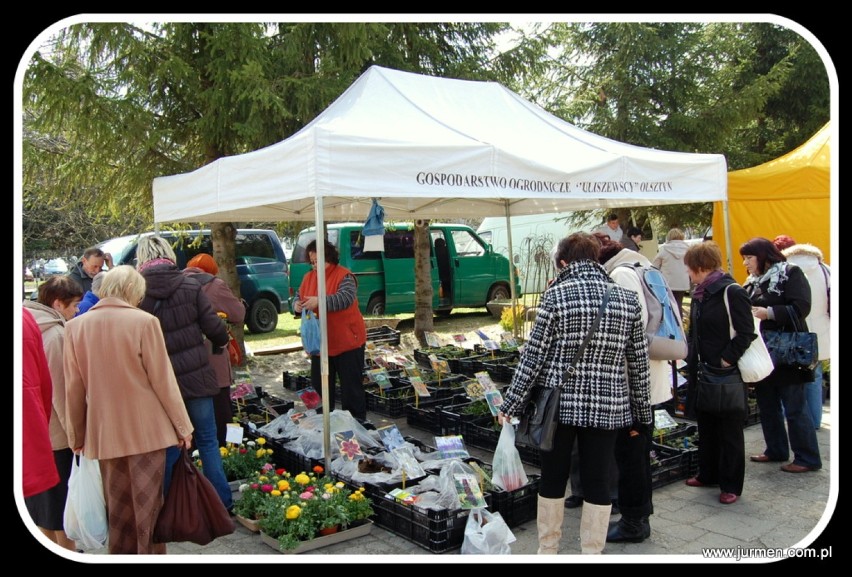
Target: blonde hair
{"x": 151, "y": 247}
{"x": 123, "y": 282}
{"x": 674, "y": 234}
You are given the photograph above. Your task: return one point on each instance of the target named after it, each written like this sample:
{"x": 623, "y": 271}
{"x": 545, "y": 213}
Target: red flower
{"x": 243, "y": 451}
{"x": 280, "y": 472}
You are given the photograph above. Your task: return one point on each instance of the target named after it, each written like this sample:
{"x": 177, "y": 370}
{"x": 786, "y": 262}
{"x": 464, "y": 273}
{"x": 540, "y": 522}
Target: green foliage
{"x": 507, "y": 317}
{"x": 308, "y": 504}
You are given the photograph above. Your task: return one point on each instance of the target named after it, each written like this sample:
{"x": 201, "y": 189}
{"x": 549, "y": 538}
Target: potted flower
{"x": 259, "y": 493}
{"x": 242, "y": 461}
{"x": 312, "y": 506}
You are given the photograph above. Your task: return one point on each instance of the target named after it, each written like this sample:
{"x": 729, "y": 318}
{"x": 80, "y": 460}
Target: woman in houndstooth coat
{"x": 609, "y": 391}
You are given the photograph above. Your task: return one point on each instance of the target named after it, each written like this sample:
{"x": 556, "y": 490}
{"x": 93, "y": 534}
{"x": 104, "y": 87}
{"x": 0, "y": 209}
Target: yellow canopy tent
{"x": 788, "y": 195}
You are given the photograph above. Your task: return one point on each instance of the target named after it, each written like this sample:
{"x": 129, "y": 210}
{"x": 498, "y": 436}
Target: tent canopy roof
{"x": 802, "y": 173}
{"x": 435, "y": 148}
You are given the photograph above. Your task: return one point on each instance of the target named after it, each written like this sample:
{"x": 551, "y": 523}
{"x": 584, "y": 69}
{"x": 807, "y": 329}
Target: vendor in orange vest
{"x": 347, "y": 333}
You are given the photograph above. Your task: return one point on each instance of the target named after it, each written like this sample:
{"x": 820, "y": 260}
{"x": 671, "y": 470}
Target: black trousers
{"x": 349, "y": 366}
{"x": 721, "y": 453}
{"x": 577, "y": 486}
{"x": 632, "y": 456}
{"x": 223, "y": 410}
{"x": 595, "y": 447}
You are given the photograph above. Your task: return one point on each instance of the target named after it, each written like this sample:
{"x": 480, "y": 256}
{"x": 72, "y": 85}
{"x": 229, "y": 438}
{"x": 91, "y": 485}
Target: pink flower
{"x": 306, "y": 495}
{"x": 266, "y": 488}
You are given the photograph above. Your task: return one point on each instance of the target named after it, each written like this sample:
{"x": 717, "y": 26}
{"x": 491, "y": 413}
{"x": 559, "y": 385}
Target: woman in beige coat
{"x": 123, "y": 406}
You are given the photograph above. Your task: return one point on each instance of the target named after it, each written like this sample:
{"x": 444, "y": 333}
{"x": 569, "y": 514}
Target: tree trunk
{"x": 423, "y": 315}
{"x": 223, "y": 235}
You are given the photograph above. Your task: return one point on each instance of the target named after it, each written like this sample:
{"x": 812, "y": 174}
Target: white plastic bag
{"x": 85, "y": 517}
{"x": 508, "y": 470}
{"x": 486, "y": 533}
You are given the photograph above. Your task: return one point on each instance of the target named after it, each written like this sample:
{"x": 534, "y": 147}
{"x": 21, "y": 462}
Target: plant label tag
{"x": 432, "y": 339}
{"x": 233, "y": 433}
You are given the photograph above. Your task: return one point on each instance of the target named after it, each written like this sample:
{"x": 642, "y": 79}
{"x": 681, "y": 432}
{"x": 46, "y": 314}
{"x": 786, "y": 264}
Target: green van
{"x": 465, "y": 271}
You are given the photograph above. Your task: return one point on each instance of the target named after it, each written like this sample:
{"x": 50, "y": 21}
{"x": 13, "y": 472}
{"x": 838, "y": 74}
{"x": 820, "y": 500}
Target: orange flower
{"x": 318, "y": 469}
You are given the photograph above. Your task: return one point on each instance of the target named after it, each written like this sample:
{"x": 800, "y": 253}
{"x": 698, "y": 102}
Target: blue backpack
{"x": 664, "y": 331}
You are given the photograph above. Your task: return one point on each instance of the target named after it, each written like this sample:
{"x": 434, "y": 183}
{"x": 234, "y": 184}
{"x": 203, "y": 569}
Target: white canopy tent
{"x": 432, "y": 148}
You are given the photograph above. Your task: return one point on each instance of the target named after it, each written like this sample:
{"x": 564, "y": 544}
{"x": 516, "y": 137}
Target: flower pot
{"x": 354, "y": 531}
{"x": 252, "y": 525}
{"x": 329, "y": 530}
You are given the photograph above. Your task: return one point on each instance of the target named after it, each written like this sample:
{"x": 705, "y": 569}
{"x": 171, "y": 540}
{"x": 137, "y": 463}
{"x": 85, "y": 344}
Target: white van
{"x": 533, "y": 236}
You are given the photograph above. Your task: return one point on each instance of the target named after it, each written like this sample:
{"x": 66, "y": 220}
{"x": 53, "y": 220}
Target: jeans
{"x": 813, "y": 392}
{"x": 777, "y": 402}
{"x": 203, "y": 420}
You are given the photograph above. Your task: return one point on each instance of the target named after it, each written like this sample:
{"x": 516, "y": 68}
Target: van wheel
{"x": 499, "y": 293}
{"x": 376, "y": 306}
{"x": 262, "y": 317}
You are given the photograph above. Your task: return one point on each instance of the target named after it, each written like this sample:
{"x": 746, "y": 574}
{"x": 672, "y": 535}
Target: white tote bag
{"x": 755, "y": 364}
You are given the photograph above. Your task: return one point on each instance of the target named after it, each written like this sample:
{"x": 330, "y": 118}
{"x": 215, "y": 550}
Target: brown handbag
{"x": 193, "y": 510}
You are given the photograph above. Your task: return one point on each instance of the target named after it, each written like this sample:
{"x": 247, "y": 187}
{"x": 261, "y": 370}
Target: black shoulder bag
{"x": 541, "y": 415}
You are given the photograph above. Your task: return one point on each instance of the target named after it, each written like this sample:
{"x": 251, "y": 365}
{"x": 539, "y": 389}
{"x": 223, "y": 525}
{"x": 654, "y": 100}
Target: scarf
{"x": 776, "y": 274}
{"x": 698, "y": 291}
{"x": 153, "y": 262}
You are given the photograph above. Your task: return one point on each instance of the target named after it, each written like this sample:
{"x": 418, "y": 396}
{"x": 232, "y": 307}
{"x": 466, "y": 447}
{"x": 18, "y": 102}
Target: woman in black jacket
{"x": 188, "y": 321}
{"x": 721, "y": 453}
{"x": 781, "y": 296}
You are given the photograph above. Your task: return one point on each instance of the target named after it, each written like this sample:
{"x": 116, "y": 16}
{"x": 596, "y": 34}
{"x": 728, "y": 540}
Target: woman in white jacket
{"x": 669, "y": 260}
{"x": 633, "y": 444}
{"x": 809, "y": 259}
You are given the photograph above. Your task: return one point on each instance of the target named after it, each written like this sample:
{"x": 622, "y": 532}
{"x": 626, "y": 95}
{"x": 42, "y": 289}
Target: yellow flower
{"x": 293, "y": 512}
{"x": 340, "y": 485}
{"x": 283, "y": 485}
{"x": 302, "y": 479}
{"x": 356, "y": 496}
{"x": 263, "y": 478}
{"x": 261, "y": 441}
{"x": 275, "y": 493}
{"x": 223, "y": 451}
{"x": 260, "y": 453}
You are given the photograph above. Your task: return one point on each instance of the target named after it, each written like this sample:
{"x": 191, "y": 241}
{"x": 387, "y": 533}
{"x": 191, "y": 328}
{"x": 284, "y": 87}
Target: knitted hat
{"x": 205, "y": 262}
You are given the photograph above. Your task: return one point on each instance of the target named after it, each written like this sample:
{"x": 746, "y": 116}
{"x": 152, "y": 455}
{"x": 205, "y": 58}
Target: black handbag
{"x": 538, "y": 421}
{"x": 540, "y": 417}
{"x": 720, "y": 390}
{"x": 796, "y": 349}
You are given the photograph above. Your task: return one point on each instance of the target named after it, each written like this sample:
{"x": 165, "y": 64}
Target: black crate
{"x": 480, "y": 432}
{"x": 294, "y": 382}
{"x": 668, "y": 465}
{"x": 277, "y": 406}
{"x": 390, "y": 405}
{"x": 293, "y": 462}
{"x": 425, "y": 416}
{"x": 437, "y": 531}
{"x": 684, "y": 439}
{"x": 383, "y": 335}
{"x": 501, "y": 370}
{"x": 452, "y": 418}
{"x": 518, "y": 506}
